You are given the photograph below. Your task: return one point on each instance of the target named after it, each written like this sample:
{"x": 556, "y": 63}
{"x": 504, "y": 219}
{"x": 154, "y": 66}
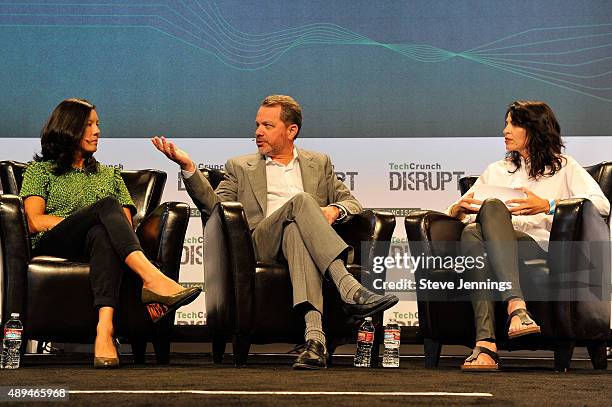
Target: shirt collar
{"x": 290, "y": 164}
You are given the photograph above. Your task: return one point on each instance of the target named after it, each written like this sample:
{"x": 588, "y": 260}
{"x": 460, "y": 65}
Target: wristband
{"x": 553, "y": 206}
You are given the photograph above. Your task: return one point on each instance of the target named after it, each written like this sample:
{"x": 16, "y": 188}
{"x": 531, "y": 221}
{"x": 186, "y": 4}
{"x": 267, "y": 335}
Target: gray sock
{"x": 314, "y": 326}
{"x": 345, "y": 283}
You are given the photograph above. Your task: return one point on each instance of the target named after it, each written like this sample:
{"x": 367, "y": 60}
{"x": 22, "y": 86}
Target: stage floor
{"x": 192, "y": 379}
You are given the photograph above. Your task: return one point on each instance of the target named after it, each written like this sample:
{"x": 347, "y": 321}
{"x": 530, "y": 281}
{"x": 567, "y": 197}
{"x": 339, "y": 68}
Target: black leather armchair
{"x": 251, "y": 302}
{"x": 53, "y": 295}
{"x": 564, "y": 324}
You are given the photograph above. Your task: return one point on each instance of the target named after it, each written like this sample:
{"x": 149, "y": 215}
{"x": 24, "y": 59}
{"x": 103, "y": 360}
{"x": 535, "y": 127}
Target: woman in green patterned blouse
{"x": 78, "y": 209}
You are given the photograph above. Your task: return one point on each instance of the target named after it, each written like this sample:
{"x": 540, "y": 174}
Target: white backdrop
{"x": 396, "y": 174}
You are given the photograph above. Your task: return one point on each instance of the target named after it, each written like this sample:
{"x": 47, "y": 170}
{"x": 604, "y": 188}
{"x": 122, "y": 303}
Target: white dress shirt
{"x": 283, "y": 182}
{"x": 571, "y": 181}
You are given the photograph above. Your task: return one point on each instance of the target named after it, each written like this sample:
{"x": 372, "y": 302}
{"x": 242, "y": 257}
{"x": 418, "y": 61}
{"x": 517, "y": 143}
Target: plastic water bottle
{"x": 12, "y": 342}
{"x": 391, "y": 356}
{"x": 365, "y": 340}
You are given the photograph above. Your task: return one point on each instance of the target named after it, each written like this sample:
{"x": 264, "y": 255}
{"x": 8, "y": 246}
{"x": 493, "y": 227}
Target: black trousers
{"x": 98, "y": 234}
{"x": 505, "y": 249}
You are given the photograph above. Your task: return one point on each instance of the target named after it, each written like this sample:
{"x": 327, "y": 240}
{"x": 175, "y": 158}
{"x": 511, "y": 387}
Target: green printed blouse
{"x": 64, "y": 194}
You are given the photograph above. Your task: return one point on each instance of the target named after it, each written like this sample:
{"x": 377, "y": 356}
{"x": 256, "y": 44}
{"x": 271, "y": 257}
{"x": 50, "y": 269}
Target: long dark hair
{"x": 544, "y": 143}
{"x": 61, "y": 136}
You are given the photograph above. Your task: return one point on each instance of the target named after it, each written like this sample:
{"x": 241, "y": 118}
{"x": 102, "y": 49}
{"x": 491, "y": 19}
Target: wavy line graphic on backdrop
{"x": 575, "y": 58}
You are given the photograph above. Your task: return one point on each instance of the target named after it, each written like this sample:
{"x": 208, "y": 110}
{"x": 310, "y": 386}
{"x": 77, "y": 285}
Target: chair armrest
{"x": 372, "y": 227}
{"x": 432, "y": 226}
{"x": 577, "y": 219}
{"x": 229, "y": 269}
{"x": 14, "y": 255}
{"x": 161, "y": 234}
{"x": 577, "y": 228}
{"x": 433, "y": 233}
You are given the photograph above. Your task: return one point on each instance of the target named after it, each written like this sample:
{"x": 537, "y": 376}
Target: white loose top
{"x": 571, "y": 181}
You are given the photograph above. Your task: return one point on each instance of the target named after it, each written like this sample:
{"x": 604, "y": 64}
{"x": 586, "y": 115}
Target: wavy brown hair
{"x": 291, "y": 111}
{"x": 61, "y": 136}
{"x": 544, "y": 143}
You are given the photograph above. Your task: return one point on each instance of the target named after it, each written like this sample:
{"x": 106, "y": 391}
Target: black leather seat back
{"x": 602, "y": 173}
{"x": 214, "y": 176}
{"x": 11, "y": 176}
{"x": 466, "y": 183}
{"x": 146, "y": 188}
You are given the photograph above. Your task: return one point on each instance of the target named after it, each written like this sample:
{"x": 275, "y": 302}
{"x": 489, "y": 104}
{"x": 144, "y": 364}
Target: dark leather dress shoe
{"x": 312, "y": 357}
{"x": 367, "y": 303}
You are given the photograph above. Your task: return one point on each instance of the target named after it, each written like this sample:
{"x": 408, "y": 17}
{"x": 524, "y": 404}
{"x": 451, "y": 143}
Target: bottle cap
{"x": 368, "y": 318}
{"x": 14, "y": 314}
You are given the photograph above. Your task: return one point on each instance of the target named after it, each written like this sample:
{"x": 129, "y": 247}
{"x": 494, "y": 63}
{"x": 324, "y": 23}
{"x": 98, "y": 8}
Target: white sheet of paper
{"x": 494, "y": 191}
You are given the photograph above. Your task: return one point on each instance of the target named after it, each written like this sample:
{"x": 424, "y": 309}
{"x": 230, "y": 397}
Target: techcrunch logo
{"x": 422, "y": 177}
{"x": 348, "y": 177}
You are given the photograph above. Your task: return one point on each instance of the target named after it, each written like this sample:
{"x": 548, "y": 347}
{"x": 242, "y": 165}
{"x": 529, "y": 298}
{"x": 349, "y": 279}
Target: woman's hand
{"x": 531, "y": 205}
{"x": 174, "y": 153}
{"x": 465, "y": 206}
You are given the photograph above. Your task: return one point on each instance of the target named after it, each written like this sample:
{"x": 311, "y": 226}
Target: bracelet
{"x": 553, "y": 206}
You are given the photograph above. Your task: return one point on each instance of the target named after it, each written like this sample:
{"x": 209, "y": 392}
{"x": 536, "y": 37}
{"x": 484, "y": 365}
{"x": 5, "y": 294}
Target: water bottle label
{"x": 392, "y": 335}
{"x": 392, "y": 338}
{"x": 364, "y": 336}
{"x": 10, "y": 333}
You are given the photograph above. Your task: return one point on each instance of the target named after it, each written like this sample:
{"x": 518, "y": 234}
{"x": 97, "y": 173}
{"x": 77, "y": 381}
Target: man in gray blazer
{"x": 291, "y": 197}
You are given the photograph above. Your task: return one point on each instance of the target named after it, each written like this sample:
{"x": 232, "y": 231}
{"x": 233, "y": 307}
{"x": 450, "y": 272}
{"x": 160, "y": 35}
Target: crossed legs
{"x": 101, "y": 235}
{"x": 299, "y": 233}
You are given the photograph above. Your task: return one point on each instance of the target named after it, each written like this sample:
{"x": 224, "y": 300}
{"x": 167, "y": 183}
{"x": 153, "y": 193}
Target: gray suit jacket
{"x": 245, "y": 182}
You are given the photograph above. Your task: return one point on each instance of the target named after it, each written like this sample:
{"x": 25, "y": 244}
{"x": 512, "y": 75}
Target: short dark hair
{"x": 61, "y": 136}
{"x": 544, "y": 143}
{"x": 291, "y": 111}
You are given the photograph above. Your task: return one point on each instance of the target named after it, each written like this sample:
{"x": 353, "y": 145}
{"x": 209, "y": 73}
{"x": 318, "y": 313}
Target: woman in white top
{"x": 534, "y": 164}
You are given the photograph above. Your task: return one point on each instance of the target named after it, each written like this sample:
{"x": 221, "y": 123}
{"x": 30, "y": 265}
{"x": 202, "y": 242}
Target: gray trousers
{"x": 299, "y": 233}
{"x": 493, "y": 233}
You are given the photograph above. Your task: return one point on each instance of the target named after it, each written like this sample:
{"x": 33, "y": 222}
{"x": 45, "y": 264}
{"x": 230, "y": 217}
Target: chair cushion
{"x": 272, "y": 304}
{"x": 60, "y": 301}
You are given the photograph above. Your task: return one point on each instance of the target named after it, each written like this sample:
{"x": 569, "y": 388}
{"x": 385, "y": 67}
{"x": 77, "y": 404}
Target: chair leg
{"x": 564, "y": 349}
{"x": 161, "y": 341}
{"x": 139, "y": 348}
{"x": 432, "y": 350}
{"x": 379, "y": 334}
{"x": 331, "y": 348}
{"x": 597, "y": 352}
{"x": 218, "y": 346}
{"x": 241, "y": 345}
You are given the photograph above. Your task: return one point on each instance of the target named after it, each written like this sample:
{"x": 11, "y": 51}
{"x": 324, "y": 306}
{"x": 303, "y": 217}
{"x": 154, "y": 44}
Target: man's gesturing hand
{"x": 174, "y": 153}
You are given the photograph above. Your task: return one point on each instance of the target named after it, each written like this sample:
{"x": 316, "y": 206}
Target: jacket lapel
{"x": 257, "y": 177}
{"x": 310, "y": 173}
